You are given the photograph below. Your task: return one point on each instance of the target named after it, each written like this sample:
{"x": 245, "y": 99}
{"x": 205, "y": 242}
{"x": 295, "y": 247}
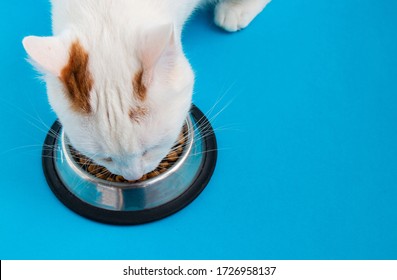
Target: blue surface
{"x": 308, "y": 142}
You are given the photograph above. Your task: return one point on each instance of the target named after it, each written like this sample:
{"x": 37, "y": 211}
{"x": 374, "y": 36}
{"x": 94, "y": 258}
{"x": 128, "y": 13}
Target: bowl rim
{"x": 129, "y": 185}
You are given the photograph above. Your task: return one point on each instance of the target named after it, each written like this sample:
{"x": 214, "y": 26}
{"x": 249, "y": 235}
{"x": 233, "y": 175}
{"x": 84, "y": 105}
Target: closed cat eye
{"x": 145, "y": 152}
{"x": 108, "y": 159}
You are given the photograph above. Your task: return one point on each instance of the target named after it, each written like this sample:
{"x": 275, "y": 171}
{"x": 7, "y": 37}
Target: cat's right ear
{"x": 49, "y": 53}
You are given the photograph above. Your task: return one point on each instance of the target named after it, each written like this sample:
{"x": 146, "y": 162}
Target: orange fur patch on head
{"x": 136, "y": 114}
{"x": 139, "y": 86}
{"x": 77, "y": 79}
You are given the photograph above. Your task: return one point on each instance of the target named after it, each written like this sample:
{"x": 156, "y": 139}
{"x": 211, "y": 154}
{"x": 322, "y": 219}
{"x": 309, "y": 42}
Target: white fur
{"x": 121, "y": 37}
{"x": 234, "y": 15}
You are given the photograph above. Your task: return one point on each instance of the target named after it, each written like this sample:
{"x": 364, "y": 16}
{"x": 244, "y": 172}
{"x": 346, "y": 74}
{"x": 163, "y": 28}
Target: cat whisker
{"x": 209, "y": 151}
{"x": 30, "y": 118}
{"x": 217, "y": 102}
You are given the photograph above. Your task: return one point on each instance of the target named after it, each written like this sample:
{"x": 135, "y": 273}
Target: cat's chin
{"x": 134, "y": 175}
{"x": 132, "y": 178}
{"x": 131, "y": 175}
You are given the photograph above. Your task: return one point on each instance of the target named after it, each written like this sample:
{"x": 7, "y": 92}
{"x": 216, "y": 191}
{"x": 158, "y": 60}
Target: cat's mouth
{"x": 100, "y": 172}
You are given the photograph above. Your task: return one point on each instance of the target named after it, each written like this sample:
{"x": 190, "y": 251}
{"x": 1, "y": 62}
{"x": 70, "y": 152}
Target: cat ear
{"x": 49, "y": 53}
{"x": 157, "y": 43}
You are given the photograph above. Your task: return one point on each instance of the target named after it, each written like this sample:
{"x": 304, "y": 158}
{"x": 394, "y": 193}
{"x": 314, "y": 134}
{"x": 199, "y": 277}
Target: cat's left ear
{"x": 158, "y": 46}
{"x": 49, "y": 53}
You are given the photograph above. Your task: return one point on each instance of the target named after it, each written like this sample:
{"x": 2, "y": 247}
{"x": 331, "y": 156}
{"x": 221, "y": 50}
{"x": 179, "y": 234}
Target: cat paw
{"x": 236, "y": 15}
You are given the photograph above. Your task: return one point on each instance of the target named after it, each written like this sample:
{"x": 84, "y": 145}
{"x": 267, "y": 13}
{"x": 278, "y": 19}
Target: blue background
{"x": 305, "y": 114}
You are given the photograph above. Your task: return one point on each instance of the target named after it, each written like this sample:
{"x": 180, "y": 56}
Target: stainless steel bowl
{"x": 132, "y": 203}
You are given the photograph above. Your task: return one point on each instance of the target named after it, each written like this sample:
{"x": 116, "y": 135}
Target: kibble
{"x": 164, "y": 164}
{"x": 102, "y": 173}
{"x": 153, "y": 174}
{"x": 92, "y": 168}
{"x": 172, "y": 156}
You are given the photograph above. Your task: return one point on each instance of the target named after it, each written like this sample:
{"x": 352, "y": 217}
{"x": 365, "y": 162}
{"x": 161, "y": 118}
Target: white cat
{"x": 117, "y": 76}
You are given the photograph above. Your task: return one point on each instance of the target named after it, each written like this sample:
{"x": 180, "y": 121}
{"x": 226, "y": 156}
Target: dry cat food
{"x": 101, "y": 172}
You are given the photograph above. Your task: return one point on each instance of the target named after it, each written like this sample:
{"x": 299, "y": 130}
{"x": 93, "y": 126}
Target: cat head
{"x": 122, "y": 101}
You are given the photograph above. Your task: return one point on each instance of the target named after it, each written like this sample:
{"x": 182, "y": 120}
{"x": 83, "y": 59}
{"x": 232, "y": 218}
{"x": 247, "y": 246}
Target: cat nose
{"x": 132, "y": 174}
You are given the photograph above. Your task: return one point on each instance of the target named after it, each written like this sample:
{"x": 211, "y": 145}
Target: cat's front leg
{"x": 233, "y": 15}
